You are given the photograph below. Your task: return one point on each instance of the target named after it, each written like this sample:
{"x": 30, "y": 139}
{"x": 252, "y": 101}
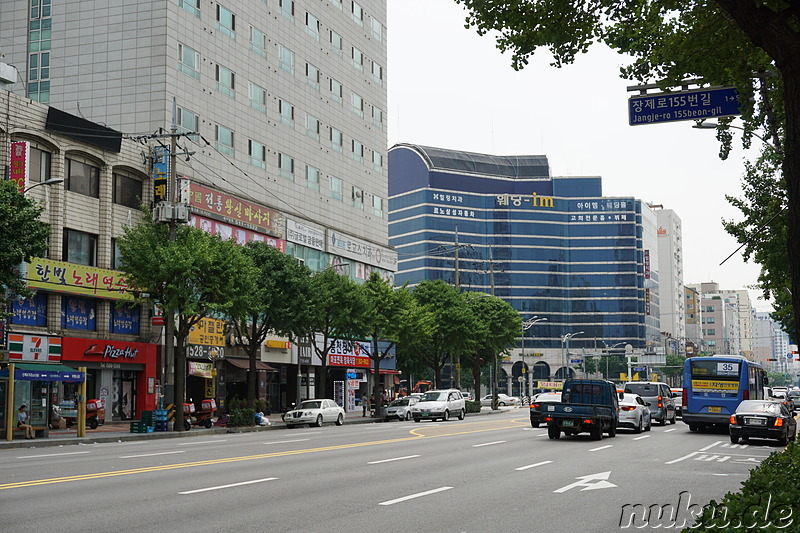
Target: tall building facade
{"x": 551, "y": 247}
{"x": 670, "y": 275}
{"x": 282, "y": 104}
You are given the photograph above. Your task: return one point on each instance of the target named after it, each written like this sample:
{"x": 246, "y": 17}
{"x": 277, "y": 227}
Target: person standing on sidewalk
{"x": 365, "y": 407}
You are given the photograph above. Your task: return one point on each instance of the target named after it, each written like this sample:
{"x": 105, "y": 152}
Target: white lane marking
{"x": 710, "y": 446}
{"x": 201, "y": 442}
{"x": 488, "y": 443}
{"x": 412, "y": 496}
{"x": 534, "y": 465}
{"x": 285, "y": 441}
{"x": 392, "y": 459}
{"x": 601, "y": 448}
{"x": 679, "y": 459}
{"x": 150, "y": 454}
{"x": 670, "y": 429}
{"x": 642, "y": 437}
{"x": 542, "y": 435}
{"x": 229, "y": 486}
{"x": 48, "y": 455}
{"x": 590, "y": 482}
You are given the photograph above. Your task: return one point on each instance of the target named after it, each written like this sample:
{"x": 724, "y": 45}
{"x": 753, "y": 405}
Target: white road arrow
{"x": 590, "y": 482}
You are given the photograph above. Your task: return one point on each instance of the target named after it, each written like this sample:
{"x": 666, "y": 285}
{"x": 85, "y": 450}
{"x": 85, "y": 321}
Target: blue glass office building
{"x": 555, "y": 247}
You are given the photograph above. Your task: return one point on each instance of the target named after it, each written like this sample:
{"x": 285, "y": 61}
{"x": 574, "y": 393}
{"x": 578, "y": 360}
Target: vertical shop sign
{"x": 160, "y": 173}
{"x": 20, "y": 164}
{"x": 338, "y": 393}
{"x": 647, "y": 264}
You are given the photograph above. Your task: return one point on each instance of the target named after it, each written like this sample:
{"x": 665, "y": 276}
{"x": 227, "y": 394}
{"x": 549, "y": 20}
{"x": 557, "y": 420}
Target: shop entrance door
{"x": 124, "y": 394}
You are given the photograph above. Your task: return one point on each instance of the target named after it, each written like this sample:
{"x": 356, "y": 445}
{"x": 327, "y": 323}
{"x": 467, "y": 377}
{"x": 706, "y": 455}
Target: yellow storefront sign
{"x": 209, "y": 331}
{"x": 705, "y": 384}
{"x": 71, "y": 278}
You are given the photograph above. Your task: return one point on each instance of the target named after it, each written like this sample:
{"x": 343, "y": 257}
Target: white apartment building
{"x": 670, "y": 277}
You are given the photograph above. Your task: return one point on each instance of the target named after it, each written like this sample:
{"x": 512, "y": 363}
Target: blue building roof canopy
{"x": 509, "y": 166}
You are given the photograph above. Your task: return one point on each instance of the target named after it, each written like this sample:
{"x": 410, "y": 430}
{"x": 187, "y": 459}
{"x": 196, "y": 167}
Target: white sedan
{"x": 502, "y": 400}
{"x": 634, "y": 413}
{"x": 314, "y": 412}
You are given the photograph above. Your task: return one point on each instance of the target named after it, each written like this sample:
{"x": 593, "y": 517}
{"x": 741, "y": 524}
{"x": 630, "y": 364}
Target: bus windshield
{"x": 725, "y": 370}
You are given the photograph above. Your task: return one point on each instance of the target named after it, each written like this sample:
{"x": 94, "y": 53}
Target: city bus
{"x": 714, "y": 386}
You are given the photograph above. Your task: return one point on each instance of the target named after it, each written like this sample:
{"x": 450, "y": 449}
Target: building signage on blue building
{"x": 700, "y": 104}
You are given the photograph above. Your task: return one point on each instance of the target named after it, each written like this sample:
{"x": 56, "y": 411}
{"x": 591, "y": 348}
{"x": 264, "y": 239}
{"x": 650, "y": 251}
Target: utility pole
{"x": 496, "y": 369}
{"x": 458, "y": 354}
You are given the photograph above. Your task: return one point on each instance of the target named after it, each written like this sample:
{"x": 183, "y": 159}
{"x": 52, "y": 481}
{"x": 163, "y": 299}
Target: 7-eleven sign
{"x": 33, "y": 348}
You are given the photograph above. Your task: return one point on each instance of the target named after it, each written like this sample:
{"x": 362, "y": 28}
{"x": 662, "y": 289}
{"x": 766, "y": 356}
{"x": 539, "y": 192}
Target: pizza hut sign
{"x": 109, "y": 351}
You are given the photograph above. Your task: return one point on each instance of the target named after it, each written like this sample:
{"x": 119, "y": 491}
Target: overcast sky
{"x": 450, "y": 88}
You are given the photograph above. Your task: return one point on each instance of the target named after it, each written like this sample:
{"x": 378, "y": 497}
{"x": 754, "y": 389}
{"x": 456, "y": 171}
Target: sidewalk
{"x": 119, "y": 432}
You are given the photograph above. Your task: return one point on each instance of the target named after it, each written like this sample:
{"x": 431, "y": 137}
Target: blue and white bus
{"x": 714, "y": 386}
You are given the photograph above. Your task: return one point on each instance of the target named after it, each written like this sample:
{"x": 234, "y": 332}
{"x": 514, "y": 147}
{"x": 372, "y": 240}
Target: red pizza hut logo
{"x": 112, "y": 352}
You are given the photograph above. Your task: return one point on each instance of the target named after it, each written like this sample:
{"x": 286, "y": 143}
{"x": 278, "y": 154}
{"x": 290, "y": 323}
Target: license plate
{"x": 424, "y": 413}
{"x": 755, "y": 421}
{"x": 568, "y": 423}
{"x": 715, "y": 409}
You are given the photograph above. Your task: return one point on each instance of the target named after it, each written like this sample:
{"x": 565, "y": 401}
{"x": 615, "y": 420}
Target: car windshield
{"x": 434, "y": 396}
{"x": 755, "y": 406}
{"x": 642, "y": 389}
{"x": 399, "y": 401}
{"x": 794, "y": 393}
{"x": 630, "y": 399}
{"x": 310, "y": 405}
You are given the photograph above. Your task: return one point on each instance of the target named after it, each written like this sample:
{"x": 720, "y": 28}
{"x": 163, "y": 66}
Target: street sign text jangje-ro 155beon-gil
{"x": 697, "y": 104}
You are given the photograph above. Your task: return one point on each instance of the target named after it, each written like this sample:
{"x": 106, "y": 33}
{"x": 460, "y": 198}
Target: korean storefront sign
{"x": 306, "y": 235}
{"x": 360, "y": 250}
{"x": 202, "y": 370}
{"x": 160, "y": 173}
{"x": 349, "y": 353}
{"x": 109, "y": 351}
{"x": 34, "y": 348}
{"x": 228, "y": 231}
{"x": 208, "y": 331}
{"x": 77, "y": 279}
{"x": 20, "y": 164}
{"x": 221, "y": 206}
{"x": 79, "y": 313}
{"x": 124, "y": 319}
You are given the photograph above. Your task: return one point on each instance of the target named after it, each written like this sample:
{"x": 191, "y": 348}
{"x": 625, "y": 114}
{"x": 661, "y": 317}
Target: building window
{"x": 336, "y": 91}
{"x": 312, "y": 127}
{"x": 377, "y": 206}
{"x": 357, "y": 12}
{"x": 336, "y": 139}
{"x": 312, "y": 76}
{"x": 312, "y": 26}
{"x": 257, "y": 153}
{"x": 116, "y": 256}
{"x": 224, "y": 140}
{"x": 39, "y": 165}
{"x": 78, "y": 313}
{"x": 127, "y": 191}
{"x": 286, "y": 166}
{"x": 188, "y": 61}
{"x": 358, "y": 105}
{"x": 377, "y": 117}
{"x": 358, "y": 59}
{"x": 377, "y": 73}
{"x": 286, "y": 111}
{"x": 82, "y": 178}
{"x": 188, "y": 122}
{"x": 711, "y": 331}
{"x": 226, "y": 22}
{"x": 192, "y": 6}
{"x": 335, "y": 187}
{"x": 258, "y": 41}
{"x": 336, "y": 43}
{"x": 358, "y": 197}
{"x": 337, "y": 3}
{"x": 377, "y": 161}
{"x": 258, "y": 97}
{"x": 312, "y": 178}
{"x": 287, "y": 8}
{"x": 711, "y": 320}
{"x": 286, "y": 59}
{"x": 377, "y": 29}
{"x": 79, "y": 247}
{"x": 358, "y": 151}
{"x": 225, "y": 81}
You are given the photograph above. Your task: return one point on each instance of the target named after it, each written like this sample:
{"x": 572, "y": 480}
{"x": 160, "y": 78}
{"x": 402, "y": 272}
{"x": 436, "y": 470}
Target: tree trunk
{"x": 180, "y": 379}
{"x": 476, "y": 377}
{"x": 791, "y": 174}
{"x": 252, "y": 374}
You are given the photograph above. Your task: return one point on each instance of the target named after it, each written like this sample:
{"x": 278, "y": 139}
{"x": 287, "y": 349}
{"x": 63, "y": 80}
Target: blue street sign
{"x": 697, "y": 104}
{"x": 639, "y": 368}
{"x": 574, "y": 360}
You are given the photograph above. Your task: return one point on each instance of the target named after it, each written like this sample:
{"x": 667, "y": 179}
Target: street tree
{"x": 193, "y": 276}
{"x": 23, "y": 235}
{"x": 277, "y": 303}
{"x": 753, "y": 45}
{"x": 337, "y": 310}
{"x": 394, "y": 317}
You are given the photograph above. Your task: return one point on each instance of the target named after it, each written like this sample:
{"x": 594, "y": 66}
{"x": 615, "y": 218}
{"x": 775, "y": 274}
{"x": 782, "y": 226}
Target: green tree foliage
{"x": 497, "y": 326}
{"x": 193, "y": 276}
{"x": 276, "y": 303}
{"x": 22, "y": 235}
{"x": 753, "y": 45}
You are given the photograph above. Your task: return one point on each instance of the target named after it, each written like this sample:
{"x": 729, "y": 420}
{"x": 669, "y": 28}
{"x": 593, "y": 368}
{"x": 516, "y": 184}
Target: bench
{"x": 39, "y": 431}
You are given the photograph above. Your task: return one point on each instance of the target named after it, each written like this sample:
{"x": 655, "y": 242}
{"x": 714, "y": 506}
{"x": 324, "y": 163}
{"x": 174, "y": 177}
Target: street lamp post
{"x": 565, "y": 354}
{"x": 526, "y": 325}
{"x": 51, "y": 181}
{"x": 608, "y": 354}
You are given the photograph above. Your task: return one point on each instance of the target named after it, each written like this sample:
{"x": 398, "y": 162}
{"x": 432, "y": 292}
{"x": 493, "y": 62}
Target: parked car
{"x": 314, "y": 412}
{"x": 764, "y": 419}
{"x": 678, "y": 397}
{"x": 794, "y": 396}
{"x": 658, "y": 397}
{"x": 536, "y": 406}
{"x": 439, "y": 404}
{"x": 400, "y": 408}
{"x": 467, "y": 396}
{"x": 502, "y": 400}
{"x": 634, "y": 413}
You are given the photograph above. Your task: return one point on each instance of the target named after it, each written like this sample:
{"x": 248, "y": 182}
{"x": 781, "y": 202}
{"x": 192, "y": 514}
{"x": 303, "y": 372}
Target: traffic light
{"x": 771, "y": 359}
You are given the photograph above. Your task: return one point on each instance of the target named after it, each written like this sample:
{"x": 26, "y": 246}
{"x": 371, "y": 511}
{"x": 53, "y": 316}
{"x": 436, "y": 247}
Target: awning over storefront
{"x": 43, "y": 372}
{"x": 244, "y": 363}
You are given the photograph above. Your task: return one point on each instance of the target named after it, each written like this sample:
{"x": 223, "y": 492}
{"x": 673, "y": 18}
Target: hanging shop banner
{"x": 70, "y": 278}
{"x": 160, "y": 173}
{"x": 124, "y": 319}
{"x": 30, "y": 311}
{"x": 349, "y": 353}
{"x": 79, "y": 313}
{"x": 20, "y": 164}
{"x": 34, "y": 348}
{"x": 201, "y": 370}
{"x": 359, "y": 250}
{"x": 209, "y": 331}
{"x": 228, "y": 231}
{"x": 221, "y": 206}
{"x": 305, "y": 235}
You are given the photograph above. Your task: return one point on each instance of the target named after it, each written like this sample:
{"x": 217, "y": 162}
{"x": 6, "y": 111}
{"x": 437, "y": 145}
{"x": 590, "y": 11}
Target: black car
{"x": 536, "y": 412}
{"x": 763, "y": 419}
{"x": 794, "y": 397}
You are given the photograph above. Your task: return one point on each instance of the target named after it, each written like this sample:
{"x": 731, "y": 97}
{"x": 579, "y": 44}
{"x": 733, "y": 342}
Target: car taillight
{"x": 733, "y": 419}
{"x": 660, "y": 399}
{"x": 534, "y": 406}
{"x": 778, "y": 422}
{"x": 627, "y": 407}
{"x": 548, "y": 419}
{"x": 587, "y": 421}
{"x": 746, "y": 395}
{"x": 685, "y": 398}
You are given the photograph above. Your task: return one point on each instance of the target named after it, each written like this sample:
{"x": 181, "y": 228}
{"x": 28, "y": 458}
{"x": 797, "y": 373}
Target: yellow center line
{"x": 161, "y": 468}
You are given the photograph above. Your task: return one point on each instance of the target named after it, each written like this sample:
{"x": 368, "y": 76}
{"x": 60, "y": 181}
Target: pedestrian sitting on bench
{"x": 22, "y": 422}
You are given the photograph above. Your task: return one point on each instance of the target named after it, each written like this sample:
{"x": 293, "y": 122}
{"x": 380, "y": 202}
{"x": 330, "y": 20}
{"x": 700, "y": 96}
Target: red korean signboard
{"x": 20, "y": 156}
{"x": 107, "y": 351}
{"x": 229, "y": 209}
